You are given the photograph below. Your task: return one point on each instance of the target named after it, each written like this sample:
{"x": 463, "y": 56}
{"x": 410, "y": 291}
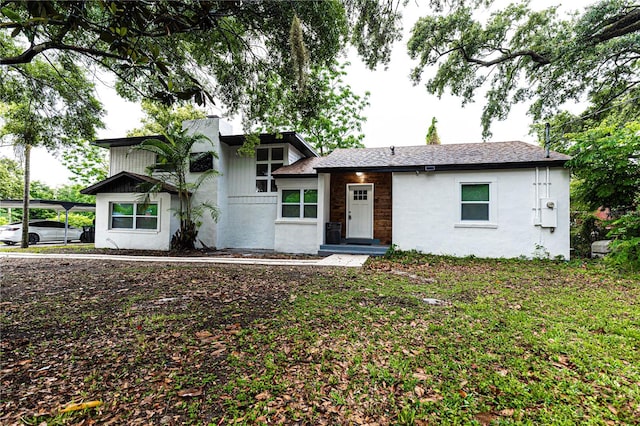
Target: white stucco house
{"x": 495, "y": 199}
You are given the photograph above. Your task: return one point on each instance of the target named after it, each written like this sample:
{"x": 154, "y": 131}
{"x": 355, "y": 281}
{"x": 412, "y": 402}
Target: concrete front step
{"x": 328, "y": 249}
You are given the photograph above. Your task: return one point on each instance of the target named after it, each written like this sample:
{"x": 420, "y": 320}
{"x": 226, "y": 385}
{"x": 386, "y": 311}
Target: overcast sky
{"x": 400, "y": 113}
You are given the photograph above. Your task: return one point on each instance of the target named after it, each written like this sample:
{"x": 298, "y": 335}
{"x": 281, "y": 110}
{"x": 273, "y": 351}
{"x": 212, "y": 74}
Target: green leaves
{"x": 605, "y": 160}
{"x": 521, "y": 55}
{"x": 195, "y": 50}
{"x": 327, "y": 112}
{"x": 48, "y": 103}
{"x": 173, "y": 153}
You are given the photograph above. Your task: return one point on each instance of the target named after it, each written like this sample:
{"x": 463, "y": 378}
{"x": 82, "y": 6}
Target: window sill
{"x": 296, "y": 221}
{"x": 487, "y": 225}
{"x": 134, "y": 231}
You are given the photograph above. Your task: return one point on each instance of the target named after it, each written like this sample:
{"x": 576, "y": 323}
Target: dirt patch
{"x": 235, "y": 253}
{"x": 132, "y": 336}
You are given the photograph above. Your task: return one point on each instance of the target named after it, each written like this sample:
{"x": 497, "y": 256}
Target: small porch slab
{"x": 370, "y": 250}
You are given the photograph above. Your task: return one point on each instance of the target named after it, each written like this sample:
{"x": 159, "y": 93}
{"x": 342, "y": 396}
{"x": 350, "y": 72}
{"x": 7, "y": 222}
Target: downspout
{"x": 547, "y": 141}
{"x": 536, "y": 202}
{"x": 548, "y": 183}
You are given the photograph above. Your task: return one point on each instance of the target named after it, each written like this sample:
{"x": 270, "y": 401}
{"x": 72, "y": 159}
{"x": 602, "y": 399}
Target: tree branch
{"x": 626, "y": 24}
{"x": 535, "y": 57}
{"x": 28, "y": 55}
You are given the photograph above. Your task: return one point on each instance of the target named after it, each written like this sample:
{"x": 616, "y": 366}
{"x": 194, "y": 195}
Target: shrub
{"x": 585, "y": 229}
{"x": 625, "y": 250}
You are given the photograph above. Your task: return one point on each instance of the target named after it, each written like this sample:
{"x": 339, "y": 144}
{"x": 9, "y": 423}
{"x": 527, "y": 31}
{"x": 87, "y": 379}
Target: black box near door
{"x": 333, "y": 231}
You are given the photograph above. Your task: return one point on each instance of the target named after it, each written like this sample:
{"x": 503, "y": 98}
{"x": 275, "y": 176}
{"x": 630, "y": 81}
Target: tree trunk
{"x": 25, "y": 196}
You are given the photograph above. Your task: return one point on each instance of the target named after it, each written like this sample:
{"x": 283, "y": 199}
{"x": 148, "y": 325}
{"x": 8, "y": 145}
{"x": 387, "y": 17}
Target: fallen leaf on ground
{"x": 80, "y": 406}
{"x": 420, "y": 376}
{"x": 485, "y": 418}
{"x": 190, "y": 393}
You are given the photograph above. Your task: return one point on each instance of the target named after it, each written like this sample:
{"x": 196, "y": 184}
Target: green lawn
{"x": 512, "y": 342}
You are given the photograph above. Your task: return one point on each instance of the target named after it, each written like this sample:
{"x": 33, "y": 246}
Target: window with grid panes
{"x": 134, "y": 216}
{"x": 300, "y": 203}
{"x": 268, "y": 160}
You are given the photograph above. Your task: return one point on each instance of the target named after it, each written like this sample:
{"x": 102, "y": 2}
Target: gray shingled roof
{"x": 306, "y": 166}
{"x": 443, "y": 157}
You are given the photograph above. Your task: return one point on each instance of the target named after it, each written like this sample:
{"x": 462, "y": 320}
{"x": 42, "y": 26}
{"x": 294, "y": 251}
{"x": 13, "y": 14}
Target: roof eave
{"x": 301, "y": 175}
{"x": 95, "y": 188}
{"x": 292, "y": 138}
{"x": 130, "y": 141}
{"x": 445, "y": 167}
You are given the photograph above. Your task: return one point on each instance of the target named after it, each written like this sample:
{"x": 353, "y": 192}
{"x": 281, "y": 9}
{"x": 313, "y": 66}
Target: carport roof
{"x": 49, "y": 204}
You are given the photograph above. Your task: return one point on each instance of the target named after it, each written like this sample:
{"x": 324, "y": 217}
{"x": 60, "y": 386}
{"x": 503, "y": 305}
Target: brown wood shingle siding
{"x": 381, "y": 204}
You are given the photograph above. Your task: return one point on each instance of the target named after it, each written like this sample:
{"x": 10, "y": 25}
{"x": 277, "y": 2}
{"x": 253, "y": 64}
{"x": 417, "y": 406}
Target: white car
{"x": 39, "y": 231}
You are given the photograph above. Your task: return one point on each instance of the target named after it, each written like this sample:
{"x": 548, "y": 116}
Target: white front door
{"x": 360, "y": 211}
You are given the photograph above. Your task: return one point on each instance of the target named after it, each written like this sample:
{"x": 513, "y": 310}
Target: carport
{"x": 55, "y": 205}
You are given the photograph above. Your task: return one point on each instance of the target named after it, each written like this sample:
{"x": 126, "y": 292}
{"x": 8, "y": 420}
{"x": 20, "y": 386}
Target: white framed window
{"x": 133, "y": 215}
{"x": 268, "y": 160}
{"x": 299, "y": 203}
{"x": 475, "y": 201}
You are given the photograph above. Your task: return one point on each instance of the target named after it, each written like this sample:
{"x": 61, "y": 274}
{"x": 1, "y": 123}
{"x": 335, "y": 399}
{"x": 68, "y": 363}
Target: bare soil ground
{"x": 125, "y": 333}
{"x": 509, "y": 341}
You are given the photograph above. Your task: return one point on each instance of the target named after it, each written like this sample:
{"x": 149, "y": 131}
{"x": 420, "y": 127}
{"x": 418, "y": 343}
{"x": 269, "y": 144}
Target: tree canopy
{"x": 327, "y": 111}
{"x": 605, "y": 162}
{"x": 47, "y": 103}
{"x": 519, "y": 55}
{"x": 11, "y": 178}
{"x": 158, "y": 118}
{"x": 201, "y": 50}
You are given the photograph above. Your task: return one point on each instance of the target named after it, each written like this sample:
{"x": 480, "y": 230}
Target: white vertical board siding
{"x": 426, "y": 214}
{"x": 123, "y": 158}
{"x": 241, "y": 174}
{"x": 293, "y": 155}
{"x": 247, "y": 220}
{"x": 133, "y": 239}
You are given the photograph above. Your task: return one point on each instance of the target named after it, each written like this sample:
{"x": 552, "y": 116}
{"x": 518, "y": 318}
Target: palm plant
{"x": 173, "y": 156}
